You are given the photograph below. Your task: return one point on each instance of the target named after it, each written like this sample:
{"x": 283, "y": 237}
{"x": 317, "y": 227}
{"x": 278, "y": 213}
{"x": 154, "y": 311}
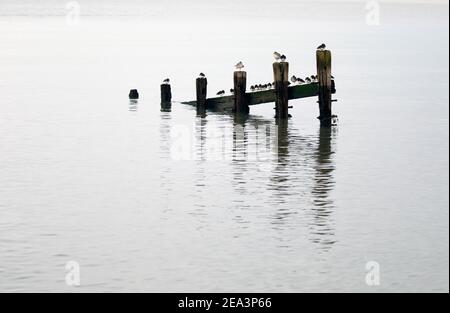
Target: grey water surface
{"x": 145, "y": 200}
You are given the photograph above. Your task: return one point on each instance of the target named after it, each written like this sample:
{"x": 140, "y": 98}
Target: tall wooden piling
{"x": 281, "y": 78}
{"x": 240, "y": 86}
{"x": 201, "y": 87}
{"x": 166, "y": 98}
{"x": 325, "y": 86}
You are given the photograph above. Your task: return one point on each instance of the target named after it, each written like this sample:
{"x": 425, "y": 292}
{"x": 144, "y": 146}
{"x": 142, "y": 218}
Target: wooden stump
{"x": 240, "y": 86}
{"x": 166, "y": 98}
{"x": 281, "y": 78}
{"x": 201, "y": 87}
{"x": 134, "y": 94}
{"x": 325, "y": 86}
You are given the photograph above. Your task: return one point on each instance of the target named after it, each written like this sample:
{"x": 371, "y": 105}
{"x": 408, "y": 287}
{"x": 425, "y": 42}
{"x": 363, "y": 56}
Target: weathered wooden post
{"x": 134, "y": 94}
{"x": 201, "y": 87}
{"x": 240, "y": 86}
{"x": 166, "y": 98}
{"x": 281, "y": 78}
{"x": 325, "y": 86}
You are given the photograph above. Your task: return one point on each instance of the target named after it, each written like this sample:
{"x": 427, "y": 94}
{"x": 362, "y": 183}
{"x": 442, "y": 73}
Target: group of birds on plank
{"x": 258, "y": 87}
{"x": 293, "y": 81}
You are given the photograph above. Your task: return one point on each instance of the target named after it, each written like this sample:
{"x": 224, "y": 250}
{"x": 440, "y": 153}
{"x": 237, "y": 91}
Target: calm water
{"x": 154, "y": 201}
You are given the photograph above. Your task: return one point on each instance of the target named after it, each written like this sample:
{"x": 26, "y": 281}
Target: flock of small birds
{"x": 258, "y": 87}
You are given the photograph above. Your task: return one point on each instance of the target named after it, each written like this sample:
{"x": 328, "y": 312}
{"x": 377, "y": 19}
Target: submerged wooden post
{"x": 201, "y": 87}
{"x": 240, "y": 86}
{"x": 166, "y": 97}
{"x": 325, "y": 86}
{"x": 281, "y": 77}
{"x": 134, "y": 94}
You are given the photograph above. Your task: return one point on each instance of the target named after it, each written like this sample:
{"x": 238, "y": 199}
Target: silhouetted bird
{"x": 221, "y": 93}
{"x": 166, "y": 81}
{"x": 252, "y": 88}
{"x": 293, "y": 79}
{"x": 201, "y": 75}
{"x": 232, "y": 90}
{"x": 300, "y": 81}
{"x": 332, "y": 77}
{"x": 283, "y": 58}
{"x": 308, "y": 80}
{"x": 322, "y": 47}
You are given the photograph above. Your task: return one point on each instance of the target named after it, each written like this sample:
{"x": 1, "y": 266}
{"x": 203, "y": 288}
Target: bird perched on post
{"x": 322, "y": 47}
{"x": 277, "y": 56}
{"x": 239, "y": 66}
{"x": 283, "y": 58}
{"x": 201, "y": 75}
{"x": 166, "y": 81}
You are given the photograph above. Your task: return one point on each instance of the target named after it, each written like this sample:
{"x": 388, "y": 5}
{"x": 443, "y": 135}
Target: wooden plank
{"x": 259, "y": 97}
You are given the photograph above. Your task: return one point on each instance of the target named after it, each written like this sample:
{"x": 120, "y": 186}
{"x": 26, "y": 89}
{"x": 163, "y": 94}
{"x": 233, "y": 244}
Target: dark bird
{"x": 166, "y": 81}
{"x": 283, "y": 58}
{"x": 300, "y": 81}
{"x": 322, "y": 47}
{"x": 201, "y": 75}
{"x": 221, "y": 93}
{"x": 293, "y": 79}
{"x": 308, "y": 80}
{"x": 252, "y": 88}
{"x": 232, "y": 90}
{"x": 332, "y": 77}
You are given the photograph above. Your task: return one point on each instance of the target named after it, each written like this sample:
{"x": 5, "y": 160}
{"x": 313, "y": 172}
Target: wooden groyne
{"x": 282, "y": 91}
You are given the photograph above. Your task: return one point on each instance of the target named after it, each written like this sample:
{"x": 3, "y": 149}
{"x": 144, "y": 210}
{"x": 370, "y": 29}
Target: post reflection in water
{"x": 322, "y": 226}
{"x": 274, "y": 172}
{"x": 133, "y": 105}
{"x": 165, "y": 134}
